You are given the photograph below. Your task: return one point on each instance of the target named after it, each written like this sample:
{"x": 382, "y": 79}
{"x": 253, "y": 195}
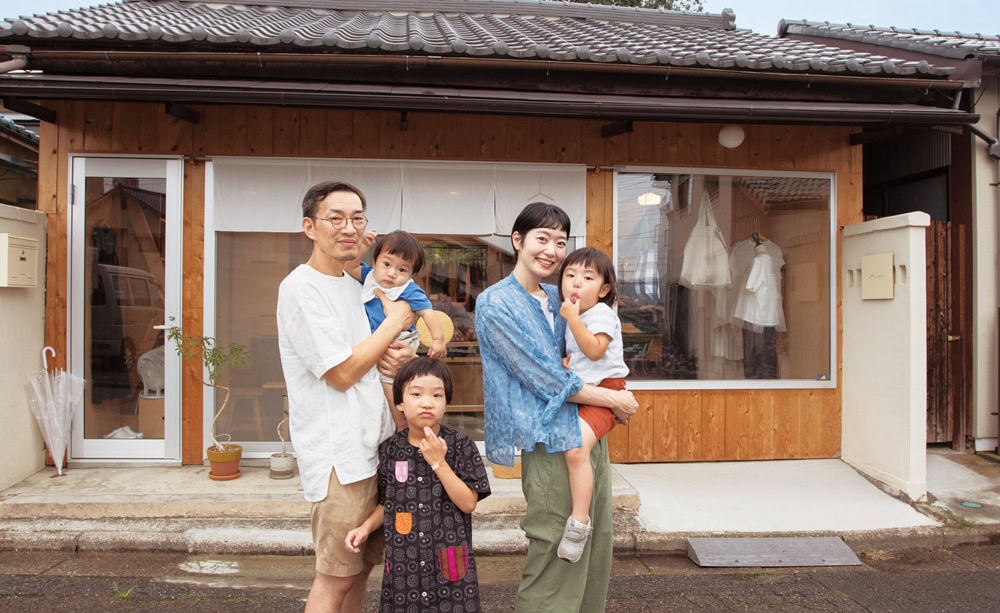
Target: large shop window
{"x": 460, "y": 212}
{"x": 725, "y": 277}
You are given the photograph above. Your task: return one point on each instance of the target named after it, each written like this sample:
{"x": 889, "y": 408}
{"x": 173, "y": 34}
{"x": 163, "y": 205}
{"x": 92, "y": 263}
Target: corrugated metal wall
{"x": 917, "y": 151}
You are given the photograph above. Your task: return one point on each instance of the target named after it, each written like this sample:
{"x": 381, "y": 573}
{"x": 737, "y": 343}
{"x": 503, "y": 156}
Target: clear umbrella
{"x": 53, "y": 397}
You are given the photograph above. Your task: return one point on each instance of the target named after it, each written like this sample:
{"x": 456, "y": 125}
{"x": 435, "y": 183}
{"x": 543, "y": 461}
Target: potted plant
{"x": 223, "y": 456}
{"x": 282, "y": 464}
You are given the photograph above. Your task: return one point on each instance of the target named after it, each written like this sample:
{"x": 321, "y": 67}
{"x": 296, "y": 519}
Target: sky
{"x": 761, "y": 16}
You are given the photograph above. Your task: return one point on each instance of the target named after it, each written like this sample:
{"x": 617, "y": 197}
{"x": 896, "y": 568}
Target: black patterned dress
{"x": 428, "y": 540}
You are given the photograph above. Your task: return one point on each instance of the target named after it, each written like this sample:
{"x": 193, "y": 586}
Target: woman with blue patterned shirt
{"x": 531, "y": 407}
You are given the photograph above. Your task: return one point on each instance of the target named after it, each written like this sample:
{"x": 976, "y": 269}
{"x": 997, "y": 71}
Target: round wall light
{"x": 731, "y": 136}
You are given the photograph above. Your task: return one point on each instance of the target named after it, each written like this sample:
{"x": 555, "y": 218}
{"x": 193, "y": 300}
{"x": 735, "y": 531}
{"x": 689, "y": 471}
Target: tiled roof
{"x": 506, "y": 29}
{"x": 953, "y": 45}
{"x": 11, "y": 127}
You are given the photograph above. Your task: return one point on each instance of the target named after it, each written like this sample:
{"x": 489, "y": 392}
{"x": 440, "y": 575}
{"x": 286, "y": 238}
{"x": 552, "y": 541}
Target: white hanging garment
{"x": 759, "y": 303}
{"x": 706, "y": 256}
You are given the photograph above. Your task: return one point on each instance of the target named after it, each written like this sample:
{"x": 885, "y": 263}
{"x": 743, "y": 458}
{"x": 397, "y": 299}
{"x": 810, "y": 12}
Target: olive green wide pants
{"x": 550, "y": 584}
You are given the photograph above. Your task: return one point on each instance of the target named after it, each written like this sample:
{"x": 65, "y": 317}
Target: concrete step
{"x": 181, "y": 509}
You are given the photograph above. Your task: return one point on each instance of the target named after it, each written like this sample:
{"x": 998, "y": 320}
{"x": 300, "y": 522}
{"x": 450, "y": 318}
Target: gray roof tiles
{"x": 953, "y": 45}
{"x": 555, "y": 31}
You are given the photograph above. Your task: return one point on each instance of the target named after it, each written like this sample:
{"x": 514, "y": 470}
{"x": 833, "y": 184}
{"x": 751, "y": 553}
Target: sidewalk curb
{"x": 248, "y": 540}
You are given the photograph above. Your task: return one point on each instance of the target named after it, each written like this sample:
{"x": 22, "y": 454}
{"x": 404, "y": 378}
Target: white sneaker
{"x": 123, "y": 432}
{"x": 574, "y": 539}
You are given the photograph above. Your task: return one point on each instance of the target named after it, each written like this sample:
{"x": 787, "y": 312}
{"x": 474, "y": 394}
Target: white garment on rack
{"x": 759, "y": 302}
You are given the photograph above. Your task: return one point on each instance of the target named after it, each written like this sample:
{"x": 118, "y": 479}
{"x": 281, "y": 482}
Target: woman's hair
{"x": 540, "y": 215}
{"x": 418, "y": 367}
{"x": 588, "y": 257}
{"x": 402, "y": 244}
{"x": 316, "y": 193}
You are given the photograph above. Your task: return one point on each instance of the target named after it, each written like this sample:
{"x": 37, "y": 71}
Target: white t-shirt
{"x": 599, "y": 319}
{"x": 320, "y": 320}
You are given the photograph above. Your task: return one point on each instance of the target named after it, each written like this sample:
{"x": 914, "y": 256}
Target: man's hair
{"x": 589, "y": 257}
{"x": 401, "y": 244}
{"x": 418, "y": 367}
{"x": 540, "y": 215}
{"x": 316, "y": 193}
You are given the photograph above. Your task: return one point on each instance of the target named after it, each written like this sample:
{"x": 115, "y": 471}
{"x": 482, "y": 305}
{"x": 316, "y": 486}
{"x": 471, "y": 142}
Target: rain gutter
{"x": 57, "y": 59}
{"x": 453, "y": 99}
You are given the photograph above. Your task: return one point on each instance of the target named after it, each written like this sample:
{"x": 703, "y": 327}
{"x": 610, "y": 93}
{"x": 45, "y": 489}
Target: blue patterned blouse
{"x": 524, "y": 382}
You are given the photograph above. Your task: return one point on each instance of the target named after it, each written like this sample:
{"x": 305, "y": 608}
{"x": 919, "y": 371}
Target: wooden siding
{"x": 671, "y": 425}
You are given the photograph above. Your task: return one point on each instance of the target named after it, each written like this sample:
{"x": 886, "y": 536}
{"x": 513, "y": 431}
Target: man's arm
{"x": 398, "y": 317}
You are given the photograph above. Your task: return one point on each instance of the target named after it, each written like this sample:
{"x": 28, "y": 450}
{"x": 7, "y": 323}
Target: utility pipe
{"x": 17, "y": 63}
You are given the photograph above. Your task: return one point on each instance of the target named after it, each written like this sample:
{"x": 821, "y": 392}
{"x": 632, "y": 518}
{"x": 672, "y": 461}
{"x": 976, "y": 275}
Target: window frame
{"x": 736, "y": 384}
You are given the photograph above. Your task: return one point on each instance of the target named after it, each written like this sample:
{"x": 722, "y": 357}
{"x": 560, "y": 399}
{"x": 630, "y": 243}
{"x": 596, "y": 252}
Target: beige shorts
{"x": 345, "y": 507}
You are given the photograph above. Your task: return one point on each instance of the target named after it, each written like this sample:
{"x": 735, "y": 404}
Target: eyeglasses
{"x": 339, "y": 221}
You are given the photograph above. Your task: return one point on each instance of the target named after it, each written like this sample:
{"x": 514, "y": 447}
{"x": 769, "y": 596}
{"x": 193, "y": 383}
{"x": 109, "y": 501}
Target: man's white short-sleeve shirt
{"x": 320, "y": 320}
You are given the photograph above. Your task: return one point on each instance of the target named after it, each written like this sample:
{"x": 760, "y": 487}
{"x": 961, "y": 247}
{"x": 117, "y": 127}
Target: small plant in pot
{"x": 282, "y": 464}
{"x": 223, "y": 456}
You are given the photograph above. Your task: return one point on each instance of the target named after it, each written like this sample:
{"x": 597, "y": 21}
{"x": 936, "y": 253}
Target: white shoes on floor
{"x": 123, "y": 432}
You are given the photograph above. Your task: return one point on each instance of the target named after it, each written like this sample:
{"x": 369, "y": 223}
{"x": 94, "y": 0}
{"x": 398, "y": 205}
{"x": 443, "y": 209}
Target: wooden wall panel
{"x": 52, "y": 175}
{"x": 205, "y": 139}
{"x": 312, "y": 132}
{"x": 738, "y": 426}
{"x": 787, "y": 428}
{"x": 677, "y": 425}
{"x": 713, "y": 423}
{"x": 519, "y": 139}
{"x": 286, "y": 131}
{"x": 192, "y": 421}
{"x": 233, "y": 131}
{"x": 760, "y": 444}
{"x": 176, "y": 134}
{"x": 666, "y": 430}
{"x": 99, "y": 121}
{"x": 339, "y": 133}
{"x": 125, "y": 127}
{"x": 690, "y": 425}
{"x": 640, "y": 429}
{"x": 149, "y": 118}
{"x": 260, "y": 130}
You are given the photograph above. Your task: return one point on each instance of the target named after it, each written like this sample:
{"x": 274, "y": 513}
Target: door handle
{"x": 171, "y": 319}
{"x": 952, "y": 338}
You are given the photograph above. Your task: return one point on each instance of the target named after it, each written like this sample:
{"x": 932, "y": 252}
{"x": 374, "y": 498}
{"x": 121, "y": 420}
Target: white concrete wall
{"x": 884, "y": 423}
{"x": 986, "y": 272}
{"x": 22, "y": 336}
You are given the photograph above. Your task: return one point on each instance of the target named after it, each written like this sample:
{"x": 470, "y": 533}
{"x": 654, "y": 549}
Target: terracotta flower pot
{"x": 282, "y": 466}
{"x": 225, "y": 464}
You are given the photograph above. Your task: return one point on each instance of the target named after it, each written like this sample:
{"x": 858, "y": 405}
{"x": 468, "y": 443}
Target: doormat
{"x": 771, "y": 551}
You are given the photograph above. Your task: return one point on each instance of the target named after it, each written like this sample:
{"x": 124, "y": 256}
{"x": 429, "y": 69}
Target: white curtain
{"x": 458, "y": 198}
{"x": 453, "y": 198}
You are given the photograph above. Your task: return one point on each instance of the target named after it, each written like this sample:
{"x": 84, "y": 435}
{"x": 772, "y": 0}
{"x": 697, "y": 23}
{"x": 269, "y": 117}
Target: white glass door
{"x": 125, "y": 263}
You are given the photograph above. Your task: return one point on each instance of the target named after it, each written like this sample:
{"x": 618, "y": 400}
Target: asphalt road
{"x": 959, "y": 579}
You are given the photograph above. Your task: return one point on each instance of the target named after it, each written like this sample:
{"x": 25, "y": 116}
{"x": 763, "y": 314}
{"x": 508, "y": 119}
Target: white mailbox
{"x": 18, "y": 261}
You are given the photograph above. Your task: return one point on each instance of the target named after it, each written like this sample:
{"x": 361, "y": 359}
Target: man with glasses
{"x": 337, "y": 411}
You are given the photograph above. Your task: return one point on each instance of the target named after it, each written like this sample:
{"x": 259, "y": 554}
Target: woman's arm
{"x": 621, "y": 402}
